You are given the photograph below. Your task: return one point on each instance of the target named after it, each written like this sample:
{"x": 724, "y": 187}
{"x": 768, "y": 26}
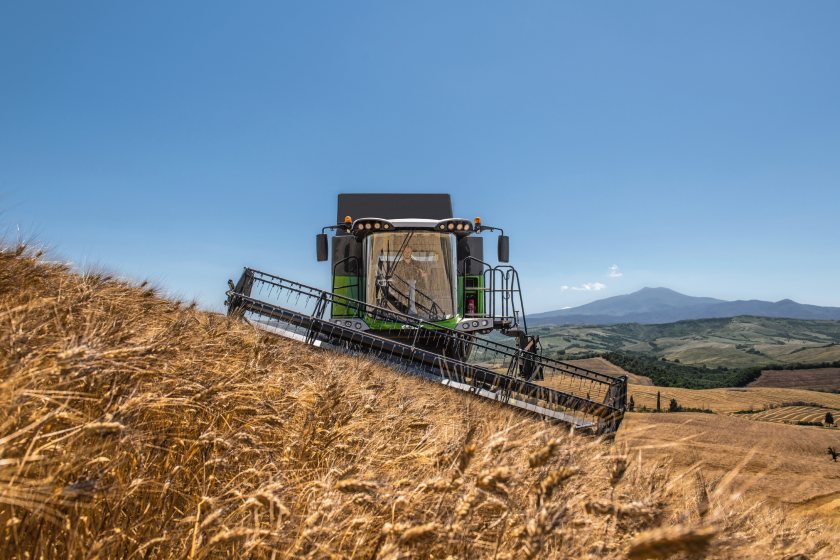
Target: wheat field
{"x": 133, "y": 426}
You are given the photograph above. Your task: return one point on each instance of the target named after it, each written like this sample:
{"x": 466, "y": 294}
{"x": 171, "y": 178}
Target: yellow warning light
{"x": 477, "y": 221}
{"x": 348, "y": 219}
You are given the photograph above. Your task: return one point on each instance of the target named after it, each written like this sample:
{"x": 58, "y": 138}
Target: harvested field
{"x": 136, "y": 427}
{"x": 785, "y": 464}
{"x": 794, "y": 414}
{"x": 819, "y": 379}
{"x": 730, "y": 399}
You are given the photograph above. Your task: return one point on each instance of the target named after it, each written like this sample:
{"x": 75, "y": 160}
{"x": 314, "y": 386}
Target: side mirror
{"x": 321, "y": 247}
{"x": 504, "y": 248}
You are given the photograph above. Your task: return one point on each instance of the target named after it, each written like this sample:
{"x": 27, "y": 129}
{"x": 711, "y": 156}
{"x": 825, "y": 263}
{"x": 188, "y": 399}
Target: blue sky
{"x": 693, "y": 145}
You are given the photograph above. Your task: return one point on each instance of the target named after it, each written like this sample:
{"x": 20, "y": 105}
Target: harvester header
{"x": 410, "y": 285}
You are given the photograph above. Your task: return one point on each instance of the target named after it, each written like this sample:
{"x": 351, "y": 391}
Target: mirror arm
{"x": 504, "y": 254}
{"x": 482, "y": 227}
{"x": 335, "y": 228}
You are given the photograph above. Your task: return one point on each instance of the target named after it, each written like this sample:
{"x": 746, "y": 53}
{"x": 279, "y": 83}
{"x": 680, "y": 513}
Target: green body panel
{"x": 390, "y": 326}
{"x": 471, "y": 287}
{"x": 349, "y": 287}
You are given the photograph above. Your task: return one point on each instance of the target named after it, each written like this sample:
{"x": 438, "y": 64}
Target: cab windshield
{"x": 412, "y": 272}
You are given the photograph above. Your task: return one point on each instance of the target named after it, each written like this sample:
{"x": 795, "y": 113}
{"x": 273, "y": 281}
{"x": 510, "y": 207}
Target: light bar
{"x": 455, "y": 225}
{"x": 370, "y": 225}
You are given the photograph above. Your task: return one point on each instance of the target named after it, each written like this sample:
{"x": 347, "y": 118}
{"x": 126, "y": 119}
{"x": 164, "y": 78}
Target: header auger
{"x": 410, "y": 287}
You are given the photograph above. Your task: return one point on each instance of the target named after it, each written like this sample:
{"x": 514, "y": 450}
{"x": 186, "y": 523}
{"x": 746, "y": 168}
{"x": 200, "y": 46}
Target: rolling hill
{"x": 784, "y": 464}
{"x": 731, "y": 342}
{"x": 662, "y": 305}
{"x": 822, "y": 379}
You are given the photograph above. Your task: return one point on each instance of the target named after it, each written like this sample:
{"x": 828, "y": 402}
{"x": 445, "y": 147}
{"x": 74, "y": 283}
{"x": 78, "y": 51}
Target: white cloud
{"x": 586, "y": 287}
{"x": 614, "y": 272}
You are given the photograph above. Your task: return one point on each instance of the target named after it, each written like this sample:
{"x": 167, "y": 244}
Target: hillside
{"x": 730, "y": 400}
{"x": 732, "y": 342}
{"x": 662, "y": 305}
{"x": 134, "y": 426}
{"x": 822, "y": 379}
{"x": 782, "y": 464}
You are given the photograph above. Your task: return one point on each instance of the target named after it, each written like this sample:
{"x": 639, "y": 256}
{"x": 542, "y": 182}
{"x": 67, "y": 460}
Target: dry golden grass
{"x": 781, "y": 464}
{"x": 133, "y": 427}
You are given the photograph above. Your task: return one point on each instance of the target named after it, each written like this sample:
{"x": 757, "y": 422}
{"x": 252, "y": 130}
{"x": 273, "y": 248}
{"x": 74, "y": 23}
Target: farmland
{"x": 822, "y": 379}
{"x": 781, "y": 463}
{"x": 721, "y": 400}
{"x": 136, "y": 426}
{"x": 736, "y": 342}
{"x": 730, "y": 400}
{"x": 794, "y": 413}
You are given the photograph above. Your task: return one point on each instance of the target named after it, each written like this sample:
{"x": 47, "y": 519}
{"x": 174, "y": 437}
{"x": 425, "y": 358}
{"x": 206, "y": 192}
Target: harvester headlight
{"x": 377, "y": 225}
{"x": 358, "y": 326}
{"x": 467, "y": 226}
{"x": 367, "y": 225}
{"x": 475, "y": 323}
{"x": 442, "y": 226}
{"x": 484, "y": 323}
{"x": 386, "y": 226}
{"x": 451, "y": 226}
{"x": 459, "y": 227}
{"x": 348, "y": 323}
{"x": 465, "y": 325}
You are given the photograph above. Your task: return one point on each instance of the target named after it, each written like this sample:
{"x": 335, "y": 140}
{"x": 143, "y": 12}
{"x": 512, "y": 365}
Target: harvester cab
{"x": 407, "y": 253}
{"x": 410, "y": 287}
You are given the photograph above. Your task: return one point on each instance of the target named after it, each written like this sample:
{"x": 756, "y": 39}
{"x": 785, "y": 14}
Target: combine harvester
{"x": 410, "y": 287}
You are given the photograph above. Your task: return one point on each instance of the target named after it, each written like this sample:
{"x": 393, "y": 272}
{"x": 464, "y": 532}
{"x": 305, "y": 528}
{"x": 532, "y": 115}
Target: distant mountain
{"x": 661, "y": 305}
